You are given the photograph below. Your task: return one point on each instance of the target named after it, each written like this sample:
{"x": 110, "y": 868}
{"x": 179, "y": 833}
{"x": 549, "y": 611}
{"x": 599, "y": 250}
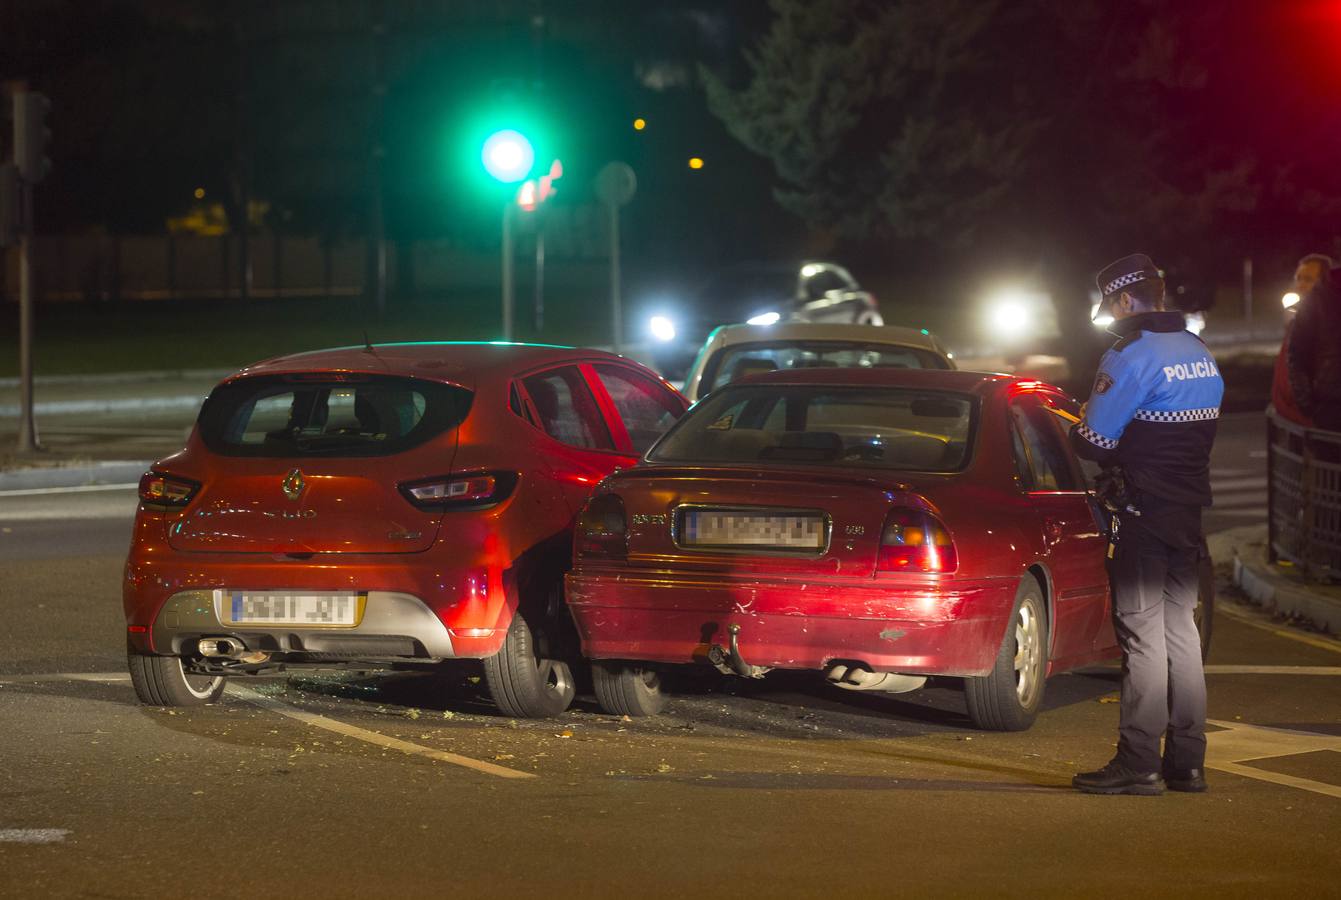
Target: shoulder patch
{"x": 1128, "y": 340}
{"x": 1102, "y": 382}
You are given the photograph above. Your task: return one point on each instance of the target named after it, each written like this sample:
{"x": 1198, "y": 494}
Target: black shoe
{"x": 1116, "y": 778}
{"x": 1189, "y": 781}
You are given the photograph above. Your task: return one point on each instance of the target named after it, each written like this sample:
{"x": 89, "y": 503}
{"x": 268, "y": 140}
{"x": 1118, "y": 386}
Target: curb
{"x": 182, "y": 402}
{"x": 124, "y": 377}
{"x": 121, "y": 471}
{"x": 1277, "y": 596}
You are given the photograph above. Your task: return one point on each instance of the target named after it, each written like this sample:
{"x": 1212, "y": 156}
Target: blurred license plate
{"x": 719, "y": 528}
{"x": 262, "y": 608}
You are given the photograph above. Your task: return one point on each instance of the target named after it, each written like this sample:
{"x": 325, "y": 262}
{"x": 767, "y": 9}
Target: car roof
{"x": 457, "y": 362}
{"x": 931, "y": 379}
{"x": 731, "y": 335}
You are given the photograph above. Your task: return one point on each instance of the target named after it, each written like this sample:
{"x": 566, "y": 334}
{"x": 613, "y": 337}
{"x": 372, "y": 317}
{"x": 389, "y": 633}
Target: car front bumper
{"x": 951, "y": 628}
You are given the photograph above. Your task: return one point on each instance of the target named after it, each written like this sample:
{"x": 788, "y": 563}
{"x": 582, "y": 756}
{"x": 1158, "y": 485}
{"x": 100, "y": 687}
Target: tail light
{"x": 170, "y": 491}
{"x": 602, "y": 529}
{"x": 916, "y": 541}
{"x": 474, "y": 491}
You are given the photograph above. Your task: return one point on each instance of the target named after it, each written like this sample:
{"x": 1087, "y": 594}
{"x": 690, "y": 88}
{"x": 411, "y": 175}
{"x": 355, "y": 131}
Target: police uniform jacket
{"x": 1153, "y": 410}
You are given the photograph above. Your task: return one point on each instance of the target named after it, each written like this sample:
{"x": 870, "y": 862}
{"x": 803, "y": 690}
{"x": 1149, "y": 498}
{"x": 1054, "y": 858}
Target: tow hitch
{"x": 729, "y": 661}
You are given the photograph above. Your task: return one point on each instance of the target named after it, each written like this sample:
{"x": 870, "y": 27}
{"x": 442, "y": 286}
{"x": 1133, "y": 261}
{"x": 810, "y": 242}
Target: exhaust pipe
{"x": 230, "y": 648}
{"x": 855, "y": 678}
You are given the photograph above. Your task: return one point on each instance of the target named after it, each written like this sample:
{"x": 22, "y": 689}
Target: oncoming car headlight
{"x": 1100, "y": 320}
{"x": 768, "y": 318}
{"x": 661, "y": 328}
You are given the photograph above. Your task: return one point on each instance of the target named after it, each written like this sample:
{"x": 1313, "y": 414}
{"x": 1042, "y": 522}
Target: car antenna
{"x": 367, "y": 344}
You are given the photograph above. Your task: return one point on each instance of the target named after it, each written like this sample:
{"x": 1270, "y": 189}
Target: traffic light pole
{"x": 507, "y": 269}
{"x": 27, "y": 423}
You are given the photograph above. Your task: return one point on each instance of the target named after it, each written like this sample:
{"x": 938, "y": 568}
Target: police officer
{"x": 1150, "y": 423}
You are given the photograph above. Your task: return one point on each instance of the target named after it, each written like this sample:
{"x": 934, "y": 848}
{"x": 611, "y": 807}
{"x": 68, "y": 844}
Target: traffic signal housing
{"x": 31, "y": 135}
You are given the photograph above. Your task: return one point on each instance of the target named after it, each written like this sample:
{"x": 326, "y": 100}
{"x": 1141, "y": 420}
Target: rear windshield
{"x": 859, "y": 427}
{"x": 741, "y": 360}
{"x": 321, "y": 415}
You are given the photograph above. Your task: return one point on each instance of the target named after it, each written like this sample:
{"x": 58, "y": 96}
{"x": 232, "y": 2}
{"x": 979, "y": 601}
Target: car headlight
{"x": 1100, "y": 321}
{"x": 662, "y": 328}
{"x": 1009, "y": 315}
{"x": 1196, "y": 322}
{"x": 1289, "y": 300}
{"x": 768, "y": 318}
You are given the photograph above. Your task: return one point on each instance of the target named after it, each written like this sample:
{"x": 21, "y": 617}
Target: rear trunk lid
{"x": 311, "y": 464}
{"x": 728, "y": 520}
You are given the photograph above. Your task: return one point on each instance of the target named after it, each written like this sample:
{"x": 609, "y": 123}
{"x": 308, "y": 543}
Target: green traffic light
{"x": 507, "y": 156}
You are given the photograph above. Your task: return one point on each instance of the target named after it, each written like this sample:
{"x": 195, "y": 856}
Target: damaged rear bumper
{"x": 950, "y": 628}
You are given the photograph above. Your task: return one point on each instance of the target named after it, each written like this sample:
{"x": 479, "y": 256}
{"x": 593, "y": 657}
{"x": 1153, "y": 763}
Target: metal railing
{"x": 1304, "y": 497}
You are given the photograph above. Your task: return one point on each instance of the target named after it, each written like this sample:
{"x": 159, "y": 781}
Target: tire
{"x": 627, "y": 690}
{"x": 161, "y": 681}
{"x": 523, "y": 683}
{"x": 1204, "y": 614}
{"x": 1009, "y": 697}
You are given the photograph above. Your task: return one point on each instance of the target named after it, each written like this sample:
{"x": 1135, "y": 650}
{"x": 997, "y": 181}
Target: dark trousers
{"x": 1153, "y": 573}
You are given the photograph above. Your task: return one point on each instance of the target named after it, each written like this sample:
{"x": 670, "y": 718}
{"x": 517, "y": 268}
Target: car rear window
{"x": 323, "y": 415}
{"x": 741, "y": 360}
{"x": 858, "y": 427}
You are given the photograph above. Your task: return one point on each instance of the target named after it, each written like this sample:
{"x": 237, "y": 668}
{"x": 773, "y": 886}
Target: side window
{"x": 646, "y": 407}
{"x": 1045, "y": 466}
{"x": 822, "y": 282}
{"x": 567, "y": 410}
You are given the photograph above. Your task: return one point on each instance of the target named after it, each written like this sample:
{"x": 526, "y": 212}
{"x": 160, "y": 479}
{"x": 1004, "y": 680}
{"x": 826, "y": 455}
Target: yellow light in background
{"x": 200, "y": 193}
{"x": 695, "y": 162}
{"x": 639, "y": 124}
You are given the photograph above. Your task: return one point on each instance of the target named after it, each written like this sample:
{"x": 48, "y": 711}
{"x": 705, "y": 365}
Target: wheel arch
{"x": 1040, "y": 573}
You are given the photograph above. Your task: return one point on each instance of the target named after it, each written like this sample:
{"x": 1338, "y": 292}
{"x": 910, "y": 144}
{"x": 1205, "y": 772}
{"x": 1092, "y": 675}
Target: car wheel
{"x": 522, "y": 680}
{"x": 1204, "y": 615}
{"x": 162, "y": 681}
{"x": 625, "y": 690}
{"x": 1009, "y": 697}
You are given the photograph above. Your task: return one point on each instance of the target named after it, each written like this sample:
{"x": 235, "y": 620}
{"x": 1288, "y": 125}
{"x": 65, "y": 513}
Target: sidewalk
{"x": 1276, "y": 588}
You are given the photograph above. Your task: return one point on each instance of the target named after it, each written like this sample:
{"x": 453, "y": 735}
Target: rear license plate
{"x": 736, "y": 529}
{"x": 312, "y": 610}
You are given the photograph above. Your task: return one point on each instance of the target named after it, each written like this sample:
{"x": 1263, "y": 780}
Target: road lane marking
{"x": 77, "y": 489}
{"x": 1239, "y": 743}
{"x": 100, "y": 677}
{"x": 1237, "y": 484}
{"x": 1246, "y": 619}
{"x": 33, "y": 835}
{"x": 1272, "y": 670}
{"x": 1258, "y": 513}
{"x": 372, "y": 737}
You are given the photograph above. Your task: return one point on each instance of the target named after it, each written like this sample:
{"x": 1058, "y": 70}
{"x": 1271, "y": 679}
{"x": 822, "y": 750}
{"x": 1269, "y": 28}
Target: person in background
{"x": 1310, "y": 270}
{"x": 1313, "y": 356}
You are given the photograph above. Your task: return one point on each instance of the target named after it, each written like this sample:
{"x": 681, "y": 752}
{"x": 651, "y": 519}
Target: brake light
{"x": 158, "y": 489}
{"x": 474, "y": 491}
{"x": 602, "y": 529}
{"x": 916, "y": 541}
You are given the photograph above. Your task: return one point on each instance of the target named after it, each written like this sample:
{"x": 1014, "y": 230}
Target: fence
{"x": 1304, "y": 496}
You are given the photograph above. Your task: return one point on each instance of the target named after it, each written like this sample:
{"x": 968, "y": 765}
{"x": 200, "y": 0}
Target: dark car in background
{"x": 754, "y": 293}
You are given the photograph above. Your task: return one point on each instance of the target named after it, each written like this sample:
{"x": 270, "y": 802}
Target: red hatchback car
{"x": 405, "y": 503}
{"x": 878, "y": 525}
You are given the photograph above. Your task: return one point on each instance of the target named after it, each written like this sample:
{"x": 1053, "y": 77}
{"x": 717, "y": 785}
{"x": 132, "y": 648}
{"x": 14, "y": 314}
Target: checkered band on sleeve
{"x": 1095, "y": 437}
{"x": 1182, "y": 415}
{"x": 1124, "y": 280}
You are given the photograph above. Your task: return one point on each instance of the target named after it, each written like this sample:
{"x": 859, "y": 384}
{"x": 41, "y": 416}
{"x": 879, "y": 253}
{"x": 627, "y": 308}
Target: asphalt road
{"x": 345, "y": 785}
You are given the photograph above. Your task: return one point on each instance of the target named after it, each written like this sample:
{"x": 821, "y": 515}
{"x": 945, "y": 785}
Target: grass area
{"x": 78, "y": 339}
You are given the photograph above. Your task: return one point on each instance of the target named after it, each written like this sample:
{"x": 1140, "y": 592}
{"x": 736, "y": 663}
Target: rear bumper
{"x": 424, "y": 605}
{"x": 952, "y": 628}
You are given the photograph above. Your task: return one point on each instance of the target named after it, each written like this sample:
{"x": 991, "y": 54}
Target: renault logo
{"x": 293, "y": 484}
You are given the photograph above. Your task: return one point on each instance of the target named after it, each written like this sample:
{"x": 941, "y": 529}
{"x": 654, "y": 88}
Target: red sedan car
{"x": 878, "y": 525}
{"x": 393, "y": 504}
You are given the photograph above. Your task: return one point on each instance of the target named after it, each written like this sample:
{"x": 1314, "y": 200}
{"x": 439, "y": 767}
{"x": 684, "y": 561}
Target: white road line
{"x": 32, "y": 835}
{"x": 1239, "y": 743}
{"x": 372, "y": 737}
{"x": 78, "y": 489}
{"x": 1260, "y": 512}
{"x": 1272, "y": 670}
{"x": 100, "y": 677}
{"x": 1247, "y": 619}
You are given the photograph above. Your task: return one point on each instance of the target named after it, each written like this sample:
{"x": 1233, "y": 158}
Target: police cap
{"x": 1126, "y": 271}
